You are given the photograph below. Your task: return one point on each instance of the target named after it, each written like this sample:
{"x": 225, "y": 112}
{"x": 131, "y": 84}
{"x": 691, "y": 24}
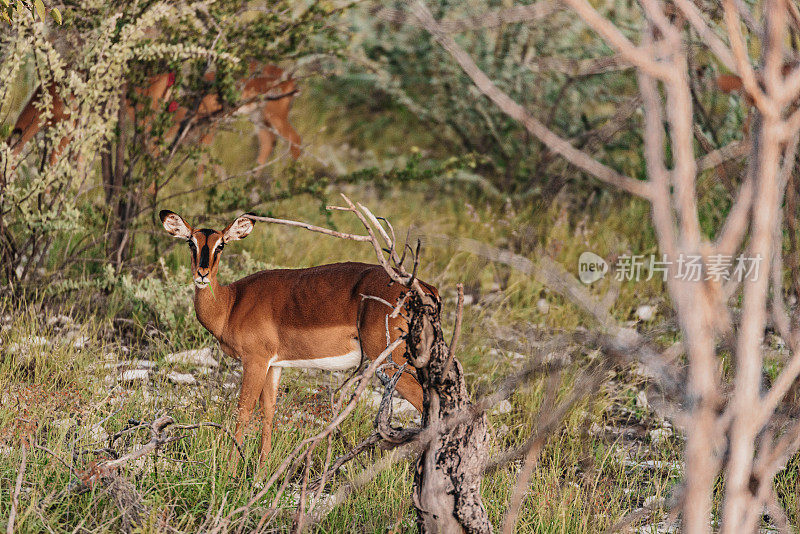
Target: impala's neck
{"x": 212, "y": 305}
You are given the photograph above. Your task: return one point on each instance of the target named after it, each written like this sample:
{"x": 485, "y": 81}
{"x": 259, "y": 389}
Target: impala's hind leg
{"x": 408, "y": 387}
{"x": 373, "y": 334}
{"x": 268, "y": 396}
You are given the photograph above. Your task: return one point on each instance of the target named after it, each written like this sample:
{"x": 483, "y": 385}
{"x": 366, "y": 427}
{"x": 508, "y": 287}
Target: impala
{"x": 269, "y": 118}
{"x": 731, "y": 83}
{"x": 29, "y": 121}
{"x": 320, "y": 317}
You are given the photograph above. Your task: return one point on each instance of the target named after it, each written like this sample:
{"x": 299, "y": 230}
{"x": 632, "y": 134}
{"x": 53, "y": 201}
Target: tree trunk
{"x": 448, "y": 473}
{"x": 121, "y": 198}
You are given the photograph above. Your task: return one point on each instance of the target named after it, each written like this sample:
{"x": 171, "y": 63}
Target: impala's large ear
{"x": 238, "y": 229}
{"x": 175, "y": 225}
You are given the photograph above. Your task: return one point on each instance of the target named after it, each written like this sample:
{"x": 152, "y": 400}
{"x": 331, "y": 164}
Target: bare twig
{"x": 12, "y": 516}
{"x": 456, "y": 329}
{"x": 554, "y": 142}
{"x": 326, "y": 231}
{"x": 489, "y": 19}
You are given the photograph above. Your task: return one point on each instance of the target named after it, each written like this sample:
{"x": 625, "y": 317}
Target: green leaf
{"x": 56, "y": 15}
{"x": 39, "y": 7}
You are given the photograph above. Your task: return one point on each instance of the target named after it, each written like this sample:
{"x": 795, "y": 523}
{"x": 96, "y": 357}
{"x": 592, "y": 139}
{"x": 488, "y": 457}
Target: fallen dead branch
{"x": 105, "y": 474}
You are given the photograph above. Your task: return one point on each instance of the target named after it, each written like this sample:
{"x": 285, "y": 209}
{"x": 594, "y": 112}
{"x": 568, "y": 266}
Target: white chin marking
{"x": 201, "y": 285}
{"x": 329, "y": 363}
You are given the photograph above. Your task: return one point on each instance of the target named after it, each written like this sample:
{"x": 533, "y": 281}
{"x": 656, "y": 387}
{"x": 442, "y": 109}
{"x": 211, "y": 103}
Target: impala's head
{"x": 205, "y": 244}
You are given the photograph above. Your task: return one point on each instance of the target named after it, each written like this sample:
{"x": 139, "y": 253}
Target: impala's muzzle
{"x": 201, "y": 280}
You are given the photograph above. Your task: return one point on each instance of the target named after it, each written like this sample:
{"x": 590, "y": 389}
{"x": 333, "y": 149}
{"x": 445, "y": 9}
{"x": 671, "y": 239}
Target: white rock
{"x": 543, "y": 306}
{"x": 201, "y": 357}
{"x": 658, "y": 528}
{"x": 653, "y": 465}
{"x": 403, "y": 407}
{"x": 596, "y": 429}
{"x": 400, "y": 406}
{"x": 660, "y": 435}
{"x": 468, "y": 299}
{"x": 28, "y": 343}
{"x": 80, "y": 342}
{"x": 504, "y": 406}
{"x": 98, "y": 433}
{"x": 135, "y": 375}
{"x": 517, "y": 356}
{"x": 59, "y": 319}
{"x": 181, "y": 378}
{"x": 645, "y": 312}
{"x": 62, "y": 425}
{"x": 652, "y": 500}
{"x": 641, "y": 399}
{"x": 140, "y": 364}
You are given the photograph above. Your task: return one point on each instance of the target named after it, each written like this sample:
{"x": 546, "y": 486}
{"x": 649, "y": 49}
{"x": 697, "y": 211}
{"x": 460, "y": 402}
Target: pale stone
{"x": 80, "y": 342}
{"x": 98, "y": 433}
{"x": 28, "y": 343}
{"x": 185, "y": 379}
{"x": 645, "y": 312}
{"x": 641, "y": 400}
{"x": 543, "y": 306}
{"x": 502, "y": 407}
{"x": 201, "y": 357}
{"x": 660, "y": 435}
{"x": 135, "y": 375}
{"x": 652, "y": 501}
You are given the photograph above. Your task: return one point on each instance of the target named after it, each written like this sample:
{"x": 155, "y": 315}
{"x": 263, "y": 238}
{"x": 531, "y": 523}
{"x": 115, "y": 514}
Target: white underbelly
{"x": 329, "y": 363}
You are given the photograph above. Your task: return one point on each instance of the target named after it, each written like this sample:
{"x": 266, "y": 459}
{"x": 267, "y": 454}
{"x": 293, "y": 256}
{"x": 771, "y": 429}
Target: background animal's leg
{"x": 252, "y": 384}
{"x": 55, "y": 154}
{"x": 266, "y": 143}
{"x": 268, "y": 396}
{"x": 276, "y": 113}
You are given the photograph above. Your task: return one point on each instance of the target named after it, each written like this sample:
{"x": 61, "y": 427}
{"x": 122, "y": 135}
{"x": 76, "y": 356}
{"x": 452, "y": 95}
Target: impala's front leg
{"x": 254, "y": 376}
{"x": 268, "y": 396}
